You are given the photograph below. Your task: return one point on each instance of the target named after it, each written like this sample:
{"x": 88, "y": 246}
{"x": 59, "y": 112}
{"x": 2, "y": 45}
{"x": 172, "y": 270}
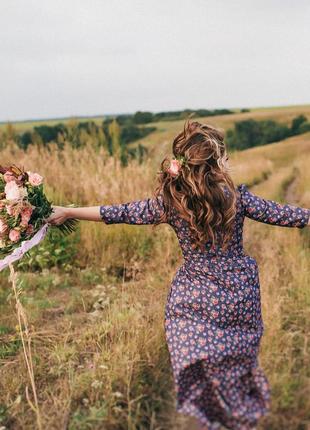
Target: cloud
{"x": 78, "y": 58}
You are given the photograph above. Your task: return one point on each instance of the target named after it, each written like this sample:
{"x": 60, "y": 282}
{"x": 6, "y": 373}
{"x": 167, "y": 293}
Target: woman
{"x": 213, "y": 314}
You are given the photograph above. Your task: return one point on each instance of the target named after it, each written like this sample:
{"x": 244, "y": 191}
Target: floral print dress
{"x": 213, "y": 319}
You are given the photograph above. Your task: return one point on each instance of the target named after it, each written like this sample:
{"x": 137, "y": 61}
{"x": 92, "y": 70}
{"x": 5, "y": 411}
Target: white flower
{"x": 14, "y": 192}
{"x": 96, "y": 384}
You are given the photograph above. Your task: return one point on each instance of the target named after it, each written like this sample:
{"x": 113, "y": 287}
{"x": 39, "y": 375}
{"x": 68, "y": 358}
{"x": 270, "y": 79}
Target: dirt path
{"x": 291, "y": 190}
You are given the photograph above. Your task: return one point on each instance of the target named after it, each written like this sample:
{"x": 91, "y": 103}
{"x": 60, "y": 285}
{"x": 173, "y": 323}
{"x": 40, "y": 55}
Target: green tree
{"x": 297, "y": 122}
{"x": 49, "y": 133}
{"x": 25, "y": 140}
{"x": 273, "y": 132}
{"x": 142, "y": 117}
{"x": 248, "y": 133}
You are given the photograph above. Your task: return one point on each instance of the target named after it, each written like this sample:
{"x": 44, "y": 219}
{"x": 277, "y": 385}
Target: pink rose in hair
{"x": 8, "y": 176}
{"x": 3, "y": 226}
{"x": 35, "y": 179}
{"x": 174, "y": 167}
{"x": 14, "y": 235}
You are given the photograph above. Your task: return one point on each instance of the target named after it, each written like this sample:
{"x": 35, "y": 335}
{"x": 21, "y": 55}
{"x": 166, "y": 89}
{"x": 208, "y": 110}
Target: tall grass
{"x": 100, "y": 356}
{"x": 283, "y": 257}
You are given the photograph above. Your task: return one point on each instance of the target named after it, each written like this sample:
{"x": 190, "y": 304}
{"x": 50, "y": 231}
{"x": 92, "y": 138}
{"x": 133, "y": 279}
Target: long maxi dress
{"x": 213, "y": 319}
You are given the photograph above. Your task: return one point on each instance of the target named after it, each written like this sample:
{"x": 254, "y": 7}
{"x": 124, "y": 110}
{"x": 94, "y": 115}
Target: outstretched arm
{"x": 61, "y": 214}
{"x": 271, "y": 212}
{"x": 147, "y": 211}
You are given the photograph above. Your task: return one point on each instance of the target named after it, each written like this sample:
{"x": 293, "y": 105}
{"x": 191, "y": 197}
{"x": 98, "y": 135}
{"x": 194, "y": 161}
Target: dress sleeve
{"x": 271, "y": 212}
{"x": 147, "y": 211}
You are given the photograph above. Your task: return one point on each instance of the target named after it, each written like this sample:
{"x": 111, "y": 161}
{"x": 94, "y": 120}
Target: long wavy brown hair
{"x": 197, "y": 192}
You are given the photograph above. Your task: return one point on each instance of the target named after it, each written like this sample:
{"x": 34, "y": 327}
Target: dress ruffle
{"x": 236, "y": 399}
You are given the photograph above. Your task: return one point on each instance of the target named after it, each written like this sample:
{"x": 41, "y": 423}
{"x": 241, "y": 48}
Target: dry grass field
{"x": 96, "y": 321}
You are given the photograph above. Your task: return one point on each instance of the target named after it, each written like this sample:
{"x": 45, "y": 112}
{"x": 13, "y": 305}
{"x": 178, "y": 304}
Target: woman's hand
{"x": 59, "y": 215}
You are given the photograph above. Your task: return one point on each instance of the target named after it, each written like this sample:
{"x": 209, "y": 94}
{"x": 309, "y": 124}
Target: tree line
{"x": 249, "y": 133}
{"x": 113, "y": 133}
{"x": 110, "y": 134}
{"x": 145, "y": 117}
{"x": 116, "y": 133}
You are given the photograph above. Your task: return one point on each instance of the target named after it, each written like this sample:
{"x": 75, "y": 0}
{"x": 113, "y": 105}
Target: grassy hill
{"x": 281, "y": 113}
{"x": 96, "y": 306}
{"x": 159, "y": 141}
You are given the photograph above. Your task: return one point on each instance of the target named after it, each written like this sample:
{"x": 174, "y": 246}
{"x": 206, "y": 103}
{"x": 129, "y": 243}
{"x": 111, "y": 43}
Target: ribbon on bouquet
{"x": 24, "y": 247}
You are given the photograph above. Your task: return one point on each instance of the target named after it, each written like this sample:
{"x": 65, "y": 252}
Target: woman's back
{"x": 249, "y": 205}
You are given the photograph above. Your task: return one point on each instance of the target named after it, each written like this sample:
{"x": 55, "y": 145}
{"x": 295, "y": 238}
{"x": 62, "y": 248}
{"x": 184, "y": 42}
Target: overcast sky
{"x": 77, "y": 57}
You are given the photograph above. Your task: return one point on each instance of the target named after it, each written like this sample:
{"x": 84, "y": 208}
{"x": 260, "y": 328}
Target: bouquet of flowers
{"x": 24, "y": 208}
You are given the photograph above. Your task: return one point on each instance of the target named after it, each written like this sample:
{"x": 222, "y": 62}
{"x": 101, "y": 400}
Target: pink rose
{"x": 8, "y": 176}
{"x": 3, "y": 226}
{"x": 35, "y": 179}
{"x": 26, "y": 213}
{"x": 14, "y": 235}
{"x": 174, "y": 167}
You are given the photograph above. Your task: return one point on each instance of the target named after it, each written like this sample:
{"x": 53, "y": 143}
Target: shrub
{"x": 130, "y": 133}
{"x": 249, "y": 133}
{"x": 50, "y": 133}
{"x": 298, "y": 123}
{"x": 25, "y": 140}
{"x": 56, "y": 250}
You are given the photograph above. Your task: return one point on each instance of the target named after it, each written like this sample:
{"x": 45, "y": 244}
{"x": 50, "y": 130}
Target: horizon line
{"x": 56, "y": 118}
